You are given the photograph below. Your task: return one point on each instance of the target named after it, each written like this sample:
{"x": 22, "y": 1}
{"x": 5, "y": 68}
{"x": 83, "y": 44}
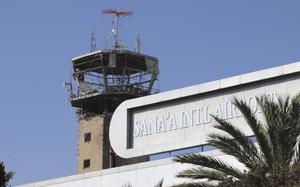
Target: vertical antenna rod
{"x": 138, "y": 44}
{"x": 93, "y": 42}
{"x": 117, "y": 14}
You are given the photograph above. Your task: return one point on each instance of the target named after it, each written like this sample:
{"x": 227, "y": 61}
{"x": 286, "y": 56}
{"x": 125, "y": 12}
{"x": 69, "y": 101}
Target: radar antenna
{"x": 117, "y": 14}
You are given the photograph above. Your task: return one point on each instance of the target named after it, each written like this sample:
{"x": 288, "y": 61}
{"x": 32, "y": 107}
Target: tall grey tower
{"x": 102, "y": 80}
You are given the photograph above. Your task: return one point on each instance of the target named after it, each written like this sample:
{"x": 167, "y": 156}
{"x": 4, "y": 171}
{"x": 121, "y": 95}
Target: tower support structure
{"x": 102, "y": 81}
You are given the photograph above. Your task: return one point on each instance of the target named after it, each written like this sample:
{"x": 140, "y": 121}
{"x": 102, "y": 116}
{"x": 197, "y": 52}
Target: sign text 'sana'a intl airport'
{"x": 129, "y": 132}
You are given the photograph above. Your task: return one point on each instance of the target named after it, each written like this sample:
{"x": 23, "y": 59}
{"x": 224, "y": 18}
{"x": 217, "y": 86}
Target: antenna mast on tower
{"x": 117, "y": 14}
{"x": 138, "y": 43}
{"x": 93, "y": 42}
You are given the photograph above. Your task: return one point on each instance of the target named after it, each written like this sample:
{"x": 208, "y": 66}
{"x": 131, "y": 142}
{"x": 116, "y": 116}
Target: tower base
{"x": 94, "y": 152}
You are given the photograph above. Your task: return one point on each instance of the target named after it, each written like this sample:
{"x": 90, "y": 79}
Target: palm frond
{"x": 293, "y": 140}
{"x": 232, "y": 147}
{"x": 280, "y": 120}
{"x": 246, "y": 151}
{"x": 283, "y": 123}
{"x": 296, "y": 156}
{"x": 273, "y": 160}
{"x": 209, "y": 162}
{"x": 160, "y": 183}
{"x": 195, "y": 184}
{"x": 202, "y": 173}
{"x": 266, "y": 148}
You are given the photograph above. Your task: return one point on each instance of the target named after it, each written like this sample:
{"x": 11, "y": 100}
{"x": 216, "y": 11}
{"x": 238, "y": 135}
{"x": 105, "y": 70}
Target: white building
{"x": 170, "y": 123}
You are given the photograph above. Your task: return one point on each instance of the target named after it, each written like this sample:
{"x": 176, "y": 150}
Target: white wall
{"x": 181, "y": 118}
{"x": 146, "y": 174}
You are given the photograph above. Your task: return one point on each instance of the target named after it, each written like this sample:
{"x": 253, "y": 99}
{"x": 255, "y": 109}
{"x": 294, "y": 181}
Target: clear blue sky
{"x": 196, "y": 41}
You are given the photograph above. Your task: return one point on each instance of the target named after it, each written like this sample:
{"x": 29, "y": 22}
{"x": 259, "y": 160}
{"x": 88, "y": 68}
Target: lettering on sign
{"x": 201, "y": 115}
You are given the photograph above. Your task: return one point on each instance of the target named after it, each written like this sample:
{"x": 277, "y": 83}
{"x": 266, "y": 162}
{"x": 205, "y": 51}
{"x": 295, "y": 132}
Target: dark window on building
{"x": 87, "y": 137}
{"x": 86, "y": 163}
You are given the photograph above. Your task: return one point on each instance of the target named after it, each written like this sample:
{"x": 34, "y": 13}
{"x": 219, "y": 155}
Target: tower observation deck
{"x": 107, "y": 78}
{"x": 101, "y": 80}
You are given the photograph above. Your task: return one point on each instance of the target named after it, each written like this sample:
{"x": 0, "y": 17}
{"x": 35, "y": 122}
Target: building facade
{"x": 167, "y": 124}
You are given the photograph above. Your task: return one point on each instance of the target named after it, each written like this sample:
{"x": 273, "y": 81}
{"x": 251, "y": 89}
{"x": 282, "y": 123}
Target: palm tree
{"x": 271, "y": 161}
{"x": 4, "y": 176}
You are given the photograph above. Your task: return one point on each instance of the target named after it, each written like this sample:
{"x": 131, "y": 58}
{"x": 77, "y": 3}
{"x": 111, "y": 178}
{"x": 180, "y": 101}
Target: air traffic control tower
{"x": 103, "y": 79}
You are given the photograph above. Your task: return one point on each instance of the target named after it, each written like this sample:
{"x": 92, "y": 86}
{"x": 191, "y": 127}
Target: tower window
{"x": 87, "y": 137}
{"x": 86, "y": 163}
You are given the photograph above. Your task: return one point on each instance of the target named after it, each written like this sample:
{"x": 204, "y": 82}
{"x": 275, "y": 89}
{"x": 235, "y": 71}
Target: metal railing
{"x": 85, "y": 89}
